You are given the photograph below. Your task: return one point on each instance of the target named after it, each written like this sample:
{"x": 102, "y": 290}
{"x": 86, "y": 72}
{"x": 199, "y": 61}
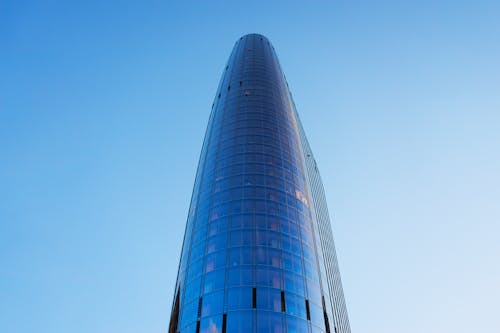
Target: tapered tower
{"x": 258, "y": 252}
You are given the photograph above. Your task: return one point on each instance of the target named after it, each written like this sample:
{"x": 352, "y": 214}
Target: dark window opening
{"x": 283, "y": 304}
{"x": 308, "y": 313}
{"x": 241, "y": 82}
{"x": 254, "y": 298}
{"x": 219, "y": 96}
{"x": 224, "y": 323}
{"x": 198, "y": 326}
{"x": 228, "y": 88}
{"x": 200, "y": 302}
{"x": 327, "y": 323}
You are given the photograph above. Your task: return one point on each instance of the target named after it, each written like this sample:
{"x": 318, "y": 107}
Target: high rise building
{"x": 258, "y": 252}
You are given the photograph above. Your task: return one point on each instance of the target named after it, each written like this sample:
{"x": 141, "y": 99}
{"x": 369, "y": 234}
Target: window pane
{"x": 240, "y": 256}
{"x": 296, "y": 325}
{"x": 240, "y": 322}
{"x": 211, "y": 324}
{"x": 295, "y": 305}
{"x": 270, "y": 322}
{"x": 268, "y": 277}
{"x": 214, "y": 280}
{"x": 241, "y": 276}
{"x": 269, "y": 299}
{"x": 212, "y": 303}
{"x": 239, "y": 298}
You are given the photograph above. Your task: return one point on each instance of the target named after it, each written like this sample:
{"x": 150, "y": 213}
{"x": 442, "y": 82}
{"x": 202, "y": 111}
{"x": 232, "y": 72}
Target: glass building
{"x": 258, "y": 252}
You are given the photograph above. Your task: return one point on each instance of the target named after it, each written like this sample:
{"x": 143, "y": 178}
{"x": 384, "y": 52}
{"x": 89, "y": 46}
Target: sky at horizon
{"x": 103, "y": 108}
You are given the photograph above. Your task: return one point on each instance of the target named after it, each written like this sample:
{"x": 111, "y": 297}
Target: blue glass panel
{"x": 268, "y": 238}
{"x": 214, "y": 261}
{"x": 216, "y": 243}
{"x": 291, "y": 244}
{"x": 212, "y": 303}
{"x": 189, "y": 313}
{"x": 200, "y": 234}
{"x": 296, "y": 325}
{"x": 197, "y": 251}
{"x": 194, "y": 269}
{"x": 292, "y": 263}
{"x": 241, "y": 222}
{"x": 308, "y": 253}
{"x": 239, "y": 298}
{"x": 211, "y": 324}
{"x": 270, "y": 322}
{"x": 239, "y": 322}
{"x": 268, "y": 277}
{"x": 218, "y": 226}
{"x": 311, "y": 271}
{"x": 240, "y": 256}
{"x": 192, "y": 290}
{"x": 241, "y": 238}
{"x": 295, "y": 305}
{"x": 313, "y": 292}
{"x": 317, "y": 317}
{"x": 293, "y": 283}
{"x": 269, "y": 257}
{"x": 240, "y": 276}
{"x": 214, "y": 280}
{"x": 189, "y": 329}
{"x": 269, "y": 299}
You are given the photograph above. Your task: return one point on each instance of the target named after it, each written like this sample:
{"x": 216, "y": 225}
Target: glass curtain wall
{"x": 258, "y": 253}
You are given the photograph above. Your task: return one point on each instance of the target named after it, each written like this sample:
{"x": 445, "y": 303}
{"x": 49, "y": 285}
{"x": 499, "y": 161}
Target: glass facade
{"x": 258, "y": 252}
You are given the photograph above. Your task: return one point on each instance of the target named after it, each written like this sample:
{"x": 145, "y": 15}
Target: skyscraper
{"x": 258, "y": 252}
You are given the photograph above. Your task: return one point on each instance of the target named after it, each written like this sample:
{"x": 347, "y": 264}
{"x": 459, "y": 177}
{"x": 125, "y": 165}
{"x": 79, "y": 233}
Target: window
{"x": 239, "y": 322}
{"x": 295, "y": 306}
{"x": 296, "y": 325}
{"x": 214, "y": 281}
{"x": 240, "y": 298}
{"x": 270, "y": 322}
{"x": 241, "y": 238}
{"x": 212, "y": 303}
{"x": 308, "y": 313}
{"x": 316, "y": 314}
{"x": 240, "y": 256}
{"x": 268, "y": 277}
{"x": 211, "y": 324}
{"x": 189, "y": 313}
{"x": 240, "y": 276}
{"x": 216, "y": 243}
{"x": 269, "y": 299}
{"x": 215, "y": 260}
{"x": 294, "y": 283}
{"x": 224, "y": 323}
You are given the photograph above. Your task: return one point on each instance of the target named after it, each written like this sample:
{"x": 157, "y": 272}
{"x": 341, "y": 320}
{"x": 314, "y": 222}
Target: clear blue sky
{"x": 103, "y": 108}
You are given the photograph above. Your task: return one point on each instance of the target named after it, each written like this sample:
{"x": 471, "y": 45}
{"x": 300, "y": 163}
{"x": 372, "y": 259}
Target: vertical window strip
{"x": 283, "y": 304}
{"x": 200, "y": 303}
{"x": 308, "y": 312}
{"x": 254, "y": 298}
{"x": 224, "y": 322}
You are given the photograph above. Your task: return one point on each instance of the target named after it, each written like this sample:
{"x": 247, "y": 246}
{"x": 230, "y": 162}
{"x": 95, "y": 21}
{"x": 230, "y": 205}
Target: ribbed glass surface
{"x": 258, "y": 253}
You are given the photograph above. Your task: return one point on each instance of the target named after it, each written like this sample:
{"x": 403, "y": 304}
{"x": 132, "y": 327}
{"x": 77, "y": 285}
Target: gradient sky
{"x": 103, "y": 108}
